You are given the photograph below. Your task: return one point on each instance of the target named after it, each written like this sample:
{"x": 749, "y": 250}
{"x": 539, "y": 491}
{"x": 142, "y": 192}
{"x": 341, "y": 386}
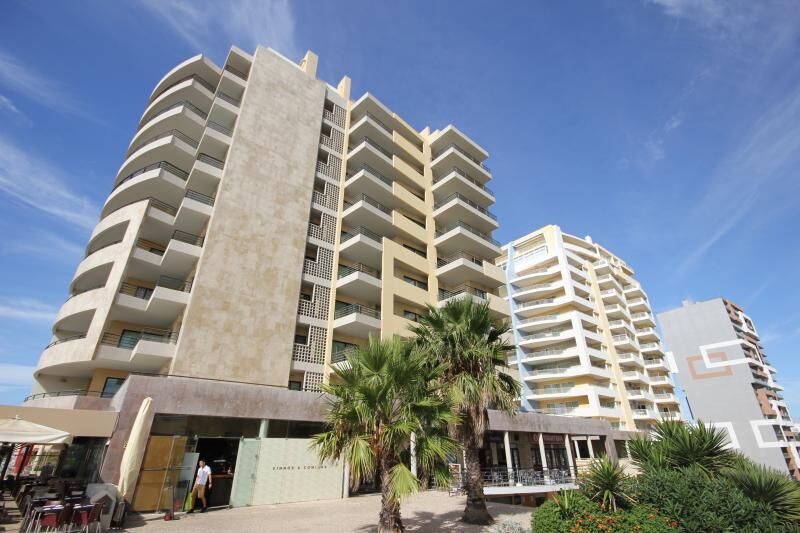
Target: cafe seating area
{"x": 55, "y": 507}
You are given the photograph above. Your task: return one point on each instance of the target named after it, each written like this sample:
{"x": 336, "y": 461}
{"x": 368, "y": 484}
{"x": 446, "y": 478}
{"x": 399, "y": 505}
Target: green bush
{"x": 581, "y": 515}
{"x": 701, "y": 504}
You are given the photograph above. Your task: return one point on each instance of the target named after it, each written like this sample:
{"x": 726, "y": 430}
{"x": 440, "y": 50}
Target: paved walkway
{"x": 426, "y": 512}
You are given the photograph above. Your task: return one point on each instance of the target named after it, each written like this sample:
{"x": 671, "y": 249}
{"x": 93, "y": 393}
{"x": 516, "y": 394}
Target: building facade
{"x": 585, "y": 334}
{"x": 728, "y": 381}
{"x": 262, "y": 224}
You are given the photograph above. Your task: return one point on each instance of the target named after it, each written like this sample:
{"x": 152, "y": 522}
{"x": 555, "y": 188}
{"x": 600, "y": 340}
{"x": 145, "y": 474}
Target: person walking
{"x": 199, "y": 489}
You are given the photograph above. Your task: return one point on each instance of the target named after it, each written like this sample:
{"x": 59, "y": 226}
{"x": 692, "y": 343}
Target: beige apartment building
{"x": 586, "y": 339}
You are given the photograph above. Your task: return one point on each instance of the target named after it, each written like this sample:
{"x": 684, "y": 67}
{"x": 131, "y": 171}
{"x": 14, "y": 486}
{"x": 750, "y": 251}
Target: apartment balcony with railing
{"x": 457, "y": 207}
{"x": 462, "y": 237}
{"x": 147, "y": 349}
{"x": 361, "y": 245}
{"x": 365, "y": 211}
{"x": 156, "y": 304}
{"x": 356, "y": 320}
{"x": 359, "y": 281}
{"x": 451, "y": 149}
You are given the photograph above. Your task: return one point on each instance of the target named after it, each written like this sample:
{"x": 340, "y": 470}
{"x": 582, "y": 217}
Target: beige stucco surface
{"x": 240, "y": 322}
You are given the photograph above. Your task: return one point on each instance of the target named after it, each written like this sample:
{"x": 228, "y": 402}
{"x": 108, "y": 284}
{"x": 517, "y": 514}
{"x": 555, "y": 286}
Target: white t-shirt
{"x": 202, "y": 475}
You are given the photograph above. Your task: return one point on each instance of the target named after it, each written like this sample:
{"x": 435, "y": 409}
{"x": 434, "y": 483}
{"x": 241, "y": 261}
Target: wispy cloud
{"x": 15, "y": 377}
{"x": 204, "y": 24}
{"x": 39, "y": 185}
{"x": 8, "y": 105}
{"x": 30, "y": 84}
{"x": 44, "y": 244}
{"x": 753, "y": 171}
{"x": 26, "y": 310}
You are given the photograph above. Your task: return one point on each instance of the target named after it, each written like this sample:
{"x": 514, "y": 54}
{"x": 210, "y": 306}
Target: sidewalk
{"x": 427, "y": 512}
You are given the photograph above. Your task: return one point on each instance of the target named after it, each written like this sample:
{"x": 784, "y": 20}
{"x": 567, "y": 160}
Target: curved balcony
{"x": 191, "y": 88}
{"x": 534, "y": 276}
{"x": 199, "y": 66}
{"x": 539, "y": 291}
{"x": 173, "y": 145}
{"x": 77, "y": 312}
{"x": 99, "y": 257}
{"x": 70, "y": 348}
{"x": 159, "y": 180}
{"x": 182, "y": 116}
{"x": 547, "y": 338}
{"x": 550, "y": 354}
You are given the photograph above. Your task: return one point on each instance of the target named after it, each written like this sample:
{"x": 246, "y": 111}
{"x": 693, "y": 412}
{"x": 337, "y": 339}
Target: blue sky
{"x": 669, "y": 130}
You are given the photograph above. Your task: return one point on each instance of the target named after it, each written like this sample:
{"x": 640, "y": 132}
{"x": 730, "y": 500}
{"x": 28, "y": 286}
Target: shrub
{"x": 700, "y": 504}
{"x": 773, "y": 489}
{"x": 583, "y": 515}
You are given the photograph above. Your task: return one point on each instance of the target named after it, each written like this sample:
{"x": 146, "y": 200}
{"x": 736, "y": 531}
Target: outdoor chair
{"x": 56, "y": 520}
{"x": 88, "y": 516}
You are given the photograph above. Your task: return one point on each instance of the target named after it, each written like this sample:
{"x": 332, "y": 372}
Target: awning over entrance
{"x": 19, "y": 431}
{"x": 76, "y": 422}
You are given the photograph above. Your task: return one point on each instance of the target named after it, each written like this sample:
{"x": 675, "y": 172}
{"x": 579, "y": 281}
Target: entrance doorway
{"x": 219, "y": 453}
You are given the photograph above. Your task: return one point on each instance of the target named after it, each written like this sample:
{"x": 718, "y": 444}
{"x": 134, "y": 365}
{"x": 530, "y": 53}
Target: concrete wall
{"x": 241, "y": 319}
{"x": 722, "y": 395}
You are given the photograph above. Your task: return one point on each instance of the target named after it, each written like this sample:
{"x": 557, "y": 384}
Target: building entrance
{"x": 219, "y": 453}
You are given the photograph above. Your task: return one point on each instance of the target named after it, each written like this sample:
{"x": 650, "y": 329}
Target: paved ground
{"x": 426, "y": 512}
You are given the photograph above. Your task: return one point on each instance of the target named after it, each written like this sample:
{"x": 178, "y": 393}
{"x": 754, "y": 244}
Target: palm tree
{"x": 383, "y": 394}
{"x": 676, "y": 445}
{"x": 605, "y": 483}
{"x": 773, "y": 489}
{"x": 464, "y": 339}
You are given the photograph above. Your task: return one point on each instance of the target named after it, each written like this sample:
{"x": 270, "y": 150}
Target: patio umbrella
{"x": 134, "y": 450}
{"x": 19, "y": 431}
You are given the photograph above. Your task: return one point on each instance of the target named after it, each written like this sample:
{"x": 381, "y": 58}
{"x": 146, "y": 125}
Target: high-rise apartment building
{"x": 261, "y": 224}
{"x": 586, "y": 339}
{"x": 729, "y": 382}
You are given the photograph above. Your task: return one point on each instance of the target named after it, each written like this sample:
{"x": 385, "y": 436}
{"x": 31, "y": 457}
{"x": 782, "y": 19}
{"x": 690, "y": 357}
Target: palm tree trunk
{"x": 389, "y": 519}
{"x": 475, "y": 511}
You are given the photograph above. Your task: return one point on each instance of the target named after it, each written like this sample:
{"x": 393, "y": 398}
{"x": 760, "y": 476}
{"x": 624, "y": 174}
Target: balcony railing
{"x": 377, "y": 121}
{"x": 650, "y": 346}
{"x": 151, "y": 246}
{"x": 444, "y": 294}
{"x": 199, "y": 197}
{"x": 169, "y": 167}
{"x": 441, "y": 231}
{"x": 162, "y": 206}
{"x": 466, "y": 177}
{"x": 341, "y": 355}
{"x": 553, "y": 370}
{"x": 544, "y": 334}
{"x": 541, "y": 301}
{"x": 66, "y": 339}
{"x": 188, "y": 238}
{"x": 464, "y": 153}
{"x": 637, "y": 316}
{"x": 357, "y": 309}
{"x": 140, "y": 291}
{"x": 546, "y": 353}
{"x": 171, "y": 133}
{"x": 501, "y": 476}
{"x": 462, "y": 198}
{"x": 183, "y": 103}
{"x": 374, "y": 203}
{"x": 216, "y": 126}
{"x": 129, "y": 339}
{"x": 654, "y": 362}
{"x": 345, "y": 270}
{"x": 361, "y": 230}
{"x": 213, "y": 161}
{"x": 73, "y": 392}
{"x": 373, "y": 144}
{"x": 230, "y": 99}
{"x": 237, "y": 72}
{"x": 372, "y": 172}
{"x": 442, "y": 261}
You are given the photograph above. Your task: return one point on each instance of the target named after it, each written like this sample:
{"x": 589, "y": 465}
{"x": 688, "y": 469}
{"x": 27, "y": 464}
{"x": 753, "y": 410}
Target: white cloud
{"x": 7, "y": 104}
{"x": 37, "y": 184}
{"x": 15, "y": 377}
{"x": 30, "y": 84}
{"x": 704, "y": 12}
{"x": 752, "y": 171}
{"x": 26, "y": 310}
{"x": 43, "y": 244}
{"x": 203, "y": 24}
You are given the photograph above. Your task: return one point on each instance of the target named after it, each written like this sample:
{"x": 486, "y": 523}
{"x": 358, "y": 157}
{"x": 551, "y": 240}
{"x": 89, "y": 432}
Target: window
{"x": 129, "y": 338}
{"x": 411, "y": 315}
{"x": 415, "y": 282}
{"x": 143, "y": 292}
{"x": 339, "y": 346}
{"x": 415, "y": 250}
{"x": 111, "y": 386}
{"x": 295, "y": 385}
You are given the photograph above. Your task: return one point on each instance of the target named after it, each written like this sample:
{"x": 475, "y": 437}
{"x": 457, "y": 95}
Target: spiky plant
{"x": 470, "y": 344}
{"x": 773, "y": 489}
{"x": 384, "y": 394}
{"x": 605, "y": 483}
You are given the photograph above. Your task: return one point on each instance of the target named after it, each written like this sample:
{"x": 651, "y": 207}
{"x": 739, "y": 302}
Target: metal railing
{"x": 199, "y": 197}
{"x": 537, "y": 302}
{"x": 553, "y": 370}
{"x": 375, "y": 119}
{"x": 216, "y": 126}
{"x": 464, "y": 225}
{"x": 151, "y": 246}
{"x": 188, "y": 238}
{"x": 361, "y": 230}
{"x": 169, "y": 167}
{"x": 66, "y": 339}
{"x": 237, "y": 72}
{"x": 544, "y": 334}
{"x": 373, "y": 144}
{"x": 178, "y": 134}
{"x": 464, "y": 153}
{"x": 341, "y": 355}
{"x": 357, "y": 309}
{"x": 444, "y": 294}
{"x": 230, "y": 99}
{"x": 650, "y": 346}
{"x": 213, "y": 161}
{"x": 442, "y": 261}
{"x": 74, "y": 392}
{"x": 130, "y": 339}
{"x": 466, "y": 177}
{"x": 536, "y": 319}
{"x": 654, "y": 362}
{"x": 374, "y": 203}
{"x": 462, "y": 198}
{"x": 345, "y": 270}
{"x": 501, "y": 476}
{"x": 545, "y": 353}
{"x": 140, "y": 291}
{"x": 636, "y": 316}
{"x": 162, "y": 206}
{"x": 372, "y": 172}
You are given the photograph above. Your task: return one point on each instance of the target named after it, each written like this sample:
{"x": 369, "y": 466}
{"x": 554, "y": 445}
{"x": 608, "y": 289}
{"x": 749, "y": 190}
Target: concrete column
{"x": 262, "y": 428}
{"x": 413, "y": 450}
{"x": 346, "y": 481}
{"x": 509, "y": 464}
{"x": 591, "y": 449}
{"x": 569, "y": 455}
{"x": 541, "y": 451}
{"x": 577, "y": 449}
